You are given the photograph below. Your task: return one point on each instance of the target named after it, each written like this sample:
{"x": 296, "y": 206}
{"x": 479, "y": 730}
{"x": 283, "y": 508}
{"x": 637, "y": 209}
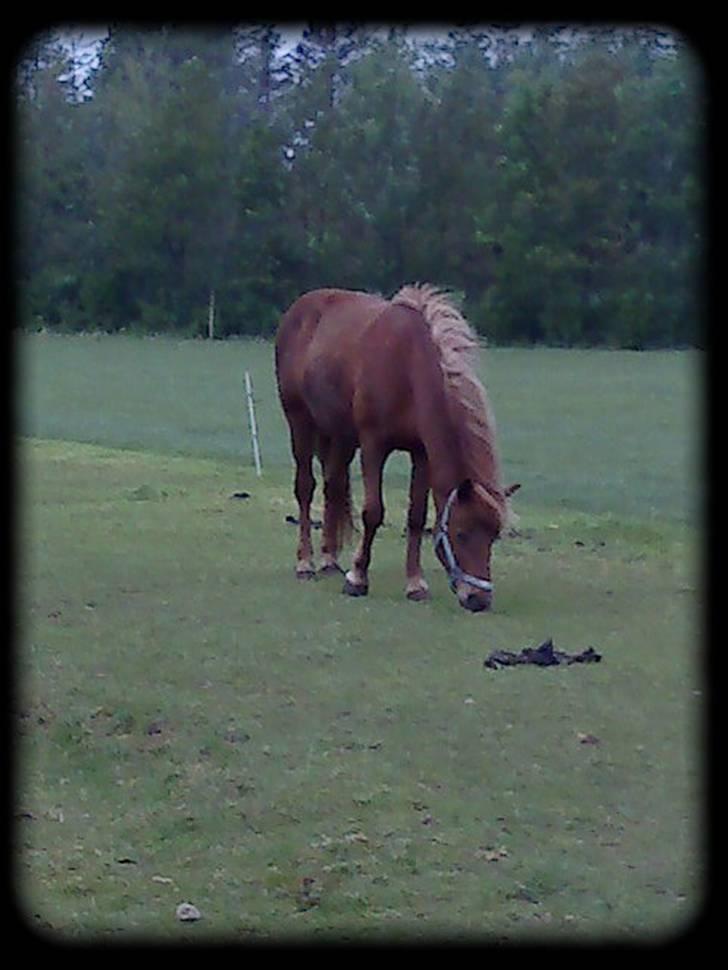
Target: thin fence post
{"x": 253, "y": 424}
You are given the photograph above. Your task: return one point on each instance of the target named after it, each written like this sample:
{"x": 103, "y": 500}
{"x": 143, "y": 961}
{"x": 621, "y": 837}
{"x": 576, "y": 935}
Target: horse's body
{"x": 358, "y": 371}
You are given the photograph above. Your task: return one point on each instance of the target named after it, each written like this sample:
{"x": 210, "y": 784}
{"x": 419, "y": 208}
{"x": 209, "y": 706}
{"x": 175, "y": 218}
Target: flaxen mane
{"x": 471, "y": 410}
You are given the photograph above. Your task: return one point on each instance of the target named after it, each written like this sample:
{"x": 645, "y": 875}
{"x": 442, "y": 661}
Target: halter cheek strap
{"x": 442, "y": 538}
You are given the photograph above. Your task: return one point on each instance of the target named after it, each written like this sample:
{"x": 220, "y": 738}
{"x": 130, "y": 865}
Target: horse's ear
{"x": 510, "y": 489}
{"x": 465, "y": 490}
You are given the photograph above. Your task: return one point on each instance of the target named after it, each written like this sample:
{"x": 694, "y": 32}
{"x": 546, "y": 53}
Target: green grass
{"x": 195, "y": 725}
{"x": 602, "y": 431}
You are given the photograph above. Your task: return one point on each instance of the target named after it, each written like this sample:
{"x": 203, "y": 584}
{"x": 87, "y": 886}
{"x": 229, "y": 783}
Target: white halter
{"x": 441, "y": 537}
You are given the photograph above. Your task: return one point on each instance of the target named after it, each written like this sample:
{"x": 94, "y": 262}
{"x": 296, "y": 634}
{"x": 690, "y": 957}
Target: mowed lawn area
{"x": 194, "y": 725}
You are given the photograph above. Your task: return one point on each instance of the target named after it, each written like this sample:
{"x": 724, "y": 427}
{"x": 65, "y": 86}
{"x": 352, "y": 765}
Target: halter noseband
{"x": 441, "y": 538}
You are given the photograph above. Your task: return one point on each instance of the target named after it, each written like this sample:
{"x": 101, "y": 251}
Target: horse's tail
{"x": 340, "y": 509}
{"x": 338, "y": 496}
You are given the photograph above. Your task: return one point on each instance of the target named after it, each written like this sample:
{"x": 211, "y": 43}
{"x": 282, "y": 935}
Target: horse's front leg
{"x": 372, "y": 463}
{"x": 417, "y": 588}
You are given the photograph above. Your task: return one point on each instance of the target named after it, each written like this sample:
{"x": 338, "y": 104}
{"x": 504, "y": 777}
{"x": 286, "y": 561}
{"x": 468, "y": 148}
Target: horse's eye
{"x": 461, "y": 536}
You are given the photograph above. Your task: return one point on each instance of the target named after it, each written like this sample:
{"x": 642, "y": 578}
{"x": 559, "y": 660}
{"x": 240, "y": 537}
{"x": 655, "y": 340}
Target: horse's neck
{"x": 445, "y": 460}
{"x": 441, "y": 438}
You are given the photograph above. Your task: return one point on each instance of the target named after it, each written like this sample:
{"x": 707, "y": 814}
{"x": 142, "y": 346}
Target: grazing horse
{"x": 355, "y": 371}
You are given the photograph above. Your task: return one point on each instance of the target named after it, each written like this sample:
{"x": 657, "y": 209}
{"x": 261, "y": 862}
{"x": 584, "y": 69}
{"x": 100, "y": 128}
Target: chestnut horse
{"x": 358, "y": 371}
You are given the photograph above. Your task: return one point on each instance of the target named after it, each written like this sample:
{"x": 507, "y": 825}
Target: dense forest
{"x": 553, "y": 179}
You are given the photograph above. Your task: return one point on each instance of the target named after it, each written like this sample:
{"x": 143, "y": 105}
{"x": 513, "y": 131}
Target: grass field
{"x": 603, "y": 431}
{"x": 195, "y": 725}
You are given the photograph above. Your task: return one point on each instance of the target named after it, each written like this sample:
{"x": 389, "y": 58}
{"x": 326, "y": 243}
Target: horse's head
{"x": 469, "y": 523}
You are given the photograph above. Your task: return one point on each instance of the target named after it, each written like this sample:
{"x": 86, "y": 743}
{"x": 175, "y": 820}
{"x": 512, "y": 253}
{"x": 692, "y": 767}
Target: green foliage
{"x": 559, "y": 187}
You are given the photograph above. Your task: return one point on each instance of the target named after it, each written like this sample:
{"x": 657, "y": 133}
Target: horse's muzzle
{"x": 475, "y": 600}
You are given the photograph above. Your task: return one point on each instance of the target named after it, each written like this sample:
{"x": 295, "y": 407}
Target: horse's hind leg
{"x": 302, "y": 439}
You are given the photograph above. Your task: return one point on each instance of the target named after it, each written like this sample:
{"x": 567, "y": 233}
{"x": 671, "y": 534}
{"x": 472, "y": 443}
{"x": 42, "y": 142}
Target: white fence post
{"x": 253, "y": 424}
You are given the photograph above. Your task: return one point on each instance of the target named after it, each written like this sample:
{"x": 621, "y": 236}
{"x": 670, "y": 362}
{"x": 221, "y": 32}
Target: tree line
{"x": 554, "y": 183}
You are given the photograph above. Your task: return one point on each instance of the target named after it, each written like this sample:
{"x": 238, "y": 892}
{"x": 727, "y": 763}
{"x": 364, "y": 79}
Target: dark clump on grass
{"x": 545, "y": 655}
{"x": 315, "y": 523}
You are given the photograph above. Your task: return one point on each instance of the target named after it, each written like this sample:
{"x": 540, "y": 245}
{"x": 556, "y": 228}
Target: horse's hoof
{"x": 331, "y": 569}
{"x": 305, "y": 574}
{"x": 419, "y": 595}
{"x": 351, "y": 589}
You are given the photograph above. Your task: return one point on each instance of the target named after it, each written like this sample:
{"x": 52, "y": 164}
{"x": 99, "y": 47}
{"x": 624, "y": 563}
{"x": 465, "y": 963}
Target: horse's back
{"x": 332, "y": 310}
{"x": 318, "y": 351}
